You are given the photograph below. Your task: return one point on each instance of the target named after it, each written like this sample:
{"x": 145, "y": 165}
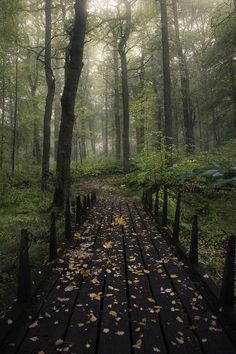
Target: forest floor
{"x": 25, "y": 206}
{"x": 105, "y": 186}
{"x": 119, "y": 289}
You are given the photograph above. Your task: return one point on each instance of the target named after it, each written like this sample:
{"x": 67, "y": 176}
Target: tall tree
{"x": 3, "y": 109}
{"x": 116, "y": 96}
{"x": 50, "y": 79}
{"x": 73, "y": 70}
{"x": 15, "y": 116}
{"x": 125, "y": 29}
{"x": 185, "y": 87}
{"x": 166, "y": 71}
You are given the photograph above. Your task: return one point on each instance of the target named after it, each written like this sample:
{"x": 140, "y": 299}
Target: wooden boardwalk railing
{"x": 227, "y": 291}
{"x": 120, "y": 288}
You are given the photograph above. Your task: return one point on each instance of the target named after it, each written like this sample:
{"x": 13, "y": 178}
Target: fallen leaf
{"x": 94, "y": 296}
{"x": 120, "y": 333}
{"x": 179, "y": 319}
{"x": 113, "y": 313}
{"x": 34, "y": 339}
{"x": 173, "y": 276}
{"x": 59, "y": 341}
{"x": 33, "y": 325}
{"x": 70, "y": 288}
{"x": 93, "y": 318}
{"x": 120, "y": 221}
{"x": 62, "y": 299}
{"x": 108, "y": 244}
{"x": 9, "y": 322}
{"x": 150, "y": 299}
{"x": 138, "y": 344}
{"x": 146, "y": 271}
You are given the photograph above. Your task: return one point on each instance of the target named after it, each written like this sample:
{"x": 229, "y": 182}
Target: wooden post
{"x": 68, "y": 228}
{"x": 92, "y": 198}
{"x": 227, "y": 287}
{"x": 24, "y": 289}
{"x": 88, "y": 201}
{"x": 84, "y": 206}
{"x": 146, "y": 200}
{"x": 193, "y": 254}
{"x": 165, "y": 206}
{"x": 53, "y": 239}
{"x": 156, "y": 208}
{"x": 78, "y": 210}
{"x": 143, "y": 197}
{"x": 177, "y": 218}
{"x": 95, "y": 197}
{"x": 149, "y": 200}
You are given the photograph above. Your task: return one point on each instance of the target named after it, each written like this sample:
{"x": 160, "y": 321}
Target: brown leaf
{"x": 138, "y": 344}
{"x": 59, "y": 341}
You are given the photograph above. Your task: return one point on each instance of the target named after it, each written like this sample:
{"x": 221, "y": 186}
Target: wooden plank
{"x": 205, "y": 323}
{"x": 179, "y": 336}
{"x": 147, "y": 334}
{"x": 21, "y": 329}
{"x": 115, "y": 327}
{"x": 83, "y": 329}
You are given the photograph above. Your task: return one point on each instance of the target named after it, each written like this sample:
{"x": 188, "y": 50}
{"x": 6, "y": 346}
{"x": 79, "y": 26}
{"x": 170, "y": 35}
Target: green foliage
{"x": 189, "y": 172}
{"x": 95, "y": 166}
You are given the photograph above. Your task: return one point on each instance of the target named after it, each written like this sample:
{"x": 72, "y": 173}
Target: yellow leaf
{"x": 113, "y": 313}
{"x": 150, "y": 299}
{"x": 108, "y": 244}
{"x": 120, "y": 221}
{"x": 77, "y": 236}
{"x": 94, "y": 296}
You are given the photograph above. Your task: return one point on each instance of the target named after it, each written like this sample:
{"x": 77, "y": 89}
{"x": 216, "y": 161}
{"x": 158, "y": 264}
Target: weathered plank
{"x": 206, "y": 326}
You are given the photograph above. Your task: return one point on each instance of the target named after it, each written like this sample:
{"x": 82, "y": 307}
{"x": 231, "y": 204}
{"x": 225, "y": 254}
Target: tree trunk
{"x": 13, "y": 156}
{"x": 233, "y": 87}
{"x": 126, "y": 117}
{"x": 33, "y": 83}
{"x": 73, "y": 69}
{"x": 50, "y": 79}
{"x": 117, "y": 102}
{"x": 141, "y": 128}
{"x": 92, "y": 135}
{"x": 185, "y": 89}
{"x": 106, "y": 114}
{"x": 3, "y": 120}
{"x": 166, "y": 72}
{"x": 36, "y": 143}
{"x": 125, "y": 87}
{"x": 83, "y": 139}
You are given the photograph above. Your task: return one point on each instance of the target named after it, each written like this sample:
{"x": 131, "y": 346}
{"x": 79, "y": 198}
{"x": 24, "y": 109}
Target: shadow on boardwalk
{"x": 119, "y": 290}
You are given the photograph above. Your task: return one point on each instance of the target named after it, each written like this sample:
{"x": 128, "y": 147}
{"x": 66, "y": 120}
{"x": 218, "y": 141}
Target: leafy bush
{"x": 190, "y": 172}
{"x": 95, "y": 166}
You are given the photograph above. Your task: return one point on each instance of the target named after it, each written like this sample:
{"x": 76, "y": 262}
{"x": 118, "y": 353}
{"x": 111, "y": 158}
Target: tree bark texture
{"x": 50, "y": 79}
{"x": 126, "y": 28}
{"x": 185, "y": 86}
{"x": 166, "y": 72}
{"x": 74, "y": 67}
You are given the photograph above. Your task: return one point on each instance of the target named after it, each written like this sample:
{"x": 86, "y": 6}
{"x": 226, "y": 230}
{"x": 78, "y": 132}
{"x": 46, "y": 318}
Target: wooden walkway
{"x": 120, "y": 290}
